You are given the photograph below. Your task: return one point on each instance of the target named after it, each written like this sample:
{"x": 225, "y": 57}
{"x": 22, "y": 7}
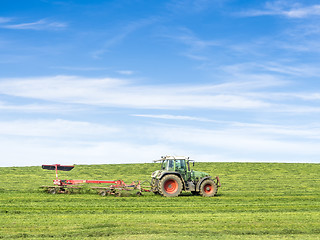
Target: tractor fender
{"x": 174, "y": 173}
{"x": 199, "y": 183}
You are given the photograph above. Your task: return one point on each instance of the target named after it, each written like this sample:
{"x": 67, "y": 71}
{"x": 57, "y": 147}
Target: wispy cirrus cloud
{"x": 124, "y": 32}
{"x": 196, "y": 48}
{"x": 126, "y": 72}
{"x": 285, "y": 9}
{"x": 54, "y": 128}
{"x": 121, "y": 93}
{"x": 243, "y": 141}
{"x": 81, "y": 68}
{"x": 36, "y": 142}
{"x": 246, "y": 141}
{"x": 43, "y": 24}
{"x": 276, "y": 131}
{"x": 5, "y": 19}
{"x": 193, "y": 6}
{"x": 256, "y": 94}
{"x": 172, "y": 117}
{"x": 38, "y": 108}
{"x": 272, "y": 70}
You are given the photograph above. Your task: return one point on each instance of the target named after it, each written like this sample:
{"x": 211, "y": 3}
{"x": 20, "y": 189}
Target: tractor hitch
{"x": 218, "y": 181}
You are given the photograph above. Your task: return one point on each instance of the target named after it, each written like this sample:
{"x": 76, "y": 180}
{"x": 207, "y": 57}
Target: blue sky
{"x": 94, "y": 82}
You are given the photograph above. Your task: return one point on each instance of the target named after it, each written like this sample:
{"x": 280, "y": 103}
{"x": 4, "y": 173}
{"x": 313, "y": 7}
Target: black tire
{"x": 208, "y": 188}
{"x": 52, "y": 191}
{"x": 103, "y": 193}
{"x": 170, "y": 186}
{"x": 155, "y": 186}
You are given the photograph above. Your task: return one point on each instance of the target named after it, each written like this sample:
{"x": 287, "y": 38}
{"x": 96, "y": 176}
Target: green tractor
{"x": 175, "y": 175}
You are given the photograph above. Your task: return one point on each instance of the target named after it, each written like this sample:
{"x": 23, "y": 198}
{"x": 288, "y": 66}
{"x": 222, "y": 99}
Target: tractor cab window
{"x": 163, "y": 165}
{"x": 180, "y": 164}
{"x": 169, "y": 164}
{"x": 183, "y": 164}
{"x": 177, "y": 164}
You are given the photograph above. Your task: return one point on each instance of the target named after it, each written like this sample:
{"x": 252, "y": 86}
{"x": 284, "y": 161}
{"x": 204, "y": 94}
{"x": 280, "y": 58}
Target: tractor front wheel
{"x": 170, "y": 186}
{"x": 208, "y": 188}
{"x": 155, "y": 186}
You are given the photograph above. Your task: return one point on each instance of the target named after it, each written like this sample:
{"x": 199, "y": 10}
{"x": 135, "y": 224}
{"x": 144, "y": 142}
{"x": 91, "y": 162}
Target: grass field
{"x": 256, "y": 201}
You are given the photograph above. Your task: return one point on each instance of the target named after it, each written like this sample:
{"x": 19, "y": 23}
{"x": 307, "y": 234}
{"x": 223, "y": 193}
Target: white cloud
{"x": 42, "y": 24}
{"x": 193, "y": 6}
{"x": 39, "y": 108}
{"x": 173, "y": 117}
{"x": 286, "y": 10}
{"x": 5, "y": 20}
{"x": 125, "y": 31}
{"x": 55, "y": 128}
{"x": 34, "y": 152}
{"x": 280, "y": 131}
{"x": 273, "y": 67}
{"x": 247, "y": 142}
{"x": 120, "y": 93}
{"x": 196, "y": 57}
{"x": 298, "y": 109}
{"x": 125, "y": 72}
{"x": 36, "y": 142}
{"x": 267, "y": 130}
{"x": 306, "y": 96}
{"x": 197, "y": 49}
{"x": 255, "y": 93}
{"x": 188, "y": 38}
{"x": 81, "y": 68}
{"x": 242, "y": 83}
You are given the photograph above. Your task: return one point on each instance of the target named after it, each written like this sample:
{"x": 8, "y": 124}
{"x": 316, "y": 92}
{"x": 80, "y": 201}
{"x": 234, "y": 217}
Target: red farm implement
{"x": 110, "y": 187}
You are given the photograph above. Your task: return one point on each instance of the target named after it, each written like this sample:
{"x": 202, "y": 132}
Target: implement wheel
{"x": 52, "y": 191}
{"x": 104, "y": 193}
{"x": 170, "y": 186}
{"x": 208, "y": 188}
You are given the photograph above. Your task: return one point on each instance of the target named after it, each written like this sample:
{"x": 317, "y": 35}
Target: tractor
{"x": 175, "y": 175}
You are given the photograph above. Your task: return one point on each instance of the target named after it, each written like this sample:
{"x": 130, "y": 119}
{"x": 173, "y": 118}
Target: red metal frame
{"x": 218, "y": 181}
{"x": 116, "y": 184}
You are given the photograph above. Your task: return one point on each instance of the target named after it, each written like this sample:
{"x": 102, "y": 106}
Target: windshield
{"x": 168, "y": 164}
{"x": 180, "y": 164}
{"x": 163, "y": 165}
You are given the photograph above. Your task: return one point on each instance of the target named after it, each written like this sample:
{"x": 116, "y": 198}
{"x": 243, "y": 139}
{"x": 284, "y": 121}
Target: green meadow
{"x": 256, "y": 201}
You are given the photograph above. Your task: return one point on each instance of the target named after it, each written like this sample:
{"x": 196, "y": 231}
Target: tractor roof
{"x": 163, "y": 158}
{"x": 174, "y": 157}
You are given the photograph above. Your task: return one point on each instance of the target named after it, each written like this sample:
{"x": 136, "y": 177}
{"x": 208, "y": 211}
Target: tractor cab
{"x": 180, "y": 165}
{"x": 175, "y": 165}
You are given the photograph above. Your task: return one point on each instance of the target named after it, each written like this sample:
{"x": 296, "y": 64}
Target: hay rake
{"x": 113, "y": 187}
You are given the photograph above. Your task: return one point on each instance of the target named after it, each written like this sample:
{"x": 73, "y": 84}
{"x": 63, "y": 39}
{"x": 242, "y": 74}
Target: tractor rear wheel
{"x": 170, "y": 186}
{"x": 208, "y": 188}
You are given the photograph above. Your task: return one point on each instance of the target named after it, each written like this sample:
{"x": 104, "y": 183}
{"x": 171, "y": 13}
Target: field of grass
{"x": 256, "y": 201}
